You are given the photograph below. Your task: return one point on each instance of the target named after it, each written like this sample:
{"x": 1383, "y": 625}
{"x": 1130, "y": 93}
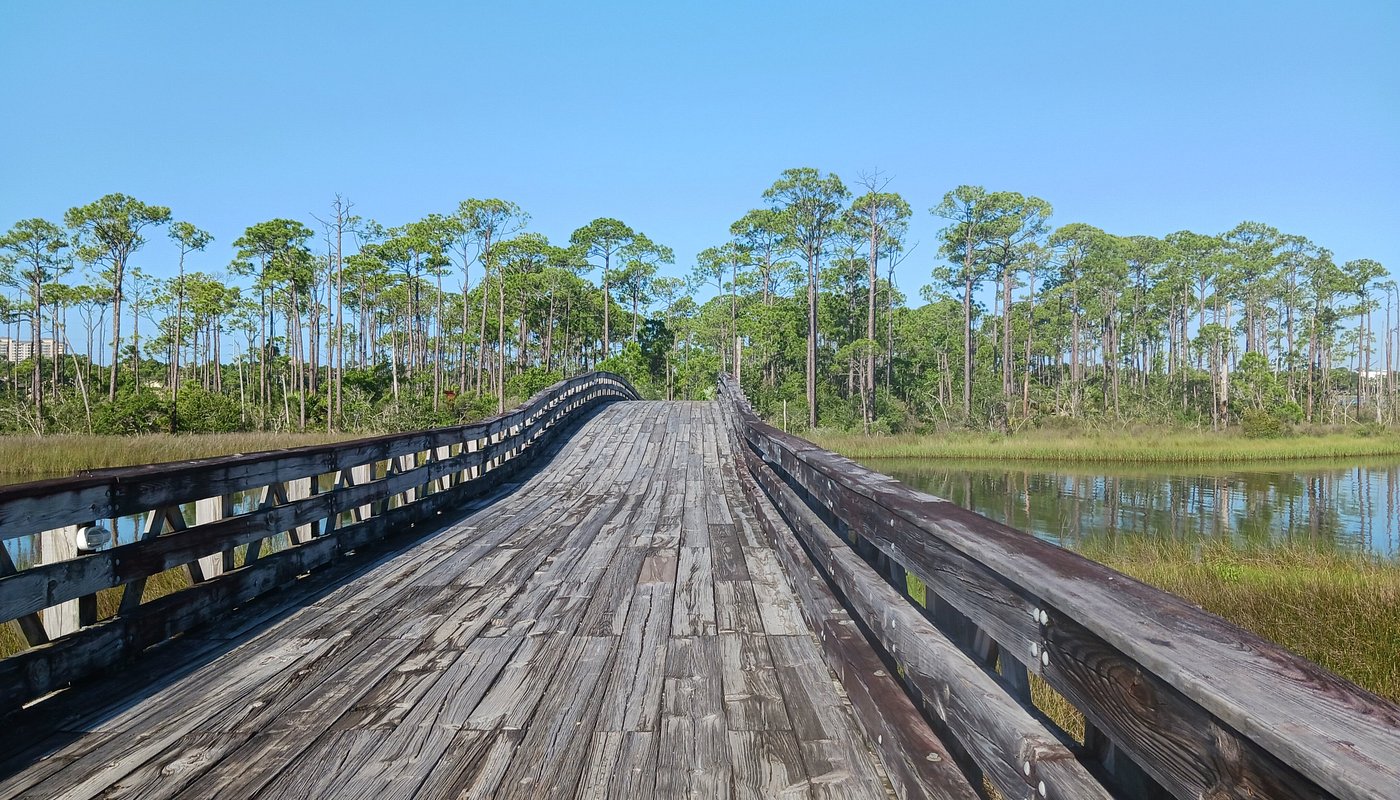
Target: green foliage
{"x": 1260, "y": 424}
{"x": 131, "y": 413}
{"x": 449, "y": 316}
{"x": 632, "y": 364}
{"x": 656, "y": 342}
{"x": 531, "y": 381}
{"x": 471, "y": 407}
{"x": 200, "y": 411}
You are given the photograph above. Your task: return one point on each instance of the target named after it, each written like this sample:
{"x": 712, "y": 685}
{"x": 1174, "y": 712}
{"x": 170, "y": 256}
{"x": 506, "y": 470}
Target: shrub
{"x": 1289, "y": 412}
{"x": 138, "y": 412}
{"x": 199, "y": 411}
{"x": 528, "y": 383}
{"x": 1258, "y": 424}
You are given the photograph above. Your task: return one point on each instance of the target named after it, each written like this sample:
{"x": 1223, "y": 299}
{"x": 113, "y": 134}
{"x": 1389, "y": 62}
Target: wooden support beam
{"x": 206, "y": 511}
{"x": 57, "y": 546}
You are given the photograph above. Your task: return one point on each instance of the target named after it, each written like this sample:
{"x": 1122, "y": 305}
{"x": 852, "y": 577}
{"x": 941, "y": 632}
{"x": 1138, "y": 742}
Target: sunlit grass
{"x": 1141, "y": 446}
{"x": 31, "y": 457}
{"x": 1341, "y": 611}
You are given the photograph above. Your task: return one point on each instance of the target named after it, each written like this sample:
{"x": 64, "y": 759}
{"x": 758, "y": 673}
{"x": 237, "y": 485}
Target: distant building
{"x": 22, "y": 349}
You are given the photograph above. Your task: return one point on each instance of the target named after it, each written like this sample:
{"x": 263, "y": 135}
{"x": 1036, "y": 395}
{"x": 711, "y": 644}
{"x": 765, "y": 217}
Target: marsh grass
{"x": 1145, "y": 445}
{"x": 1341, "y": 611}
{"x": 25, "y": 458}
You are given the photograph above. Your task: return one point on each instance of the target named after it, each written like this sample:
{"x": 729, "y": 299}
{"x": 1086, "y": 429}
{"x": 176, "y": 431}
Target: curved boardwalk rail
{"x": 590, "y": 598}
{"x": 1177, "y": 702}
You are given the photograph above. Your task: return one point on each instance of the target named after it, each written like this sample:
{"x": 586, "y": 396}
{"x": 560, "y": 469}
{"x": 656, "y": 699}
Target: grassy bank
{"x": 30, "y": 457}
{"x": 1136, "y": 446}
{"x": 1340, "y": 611}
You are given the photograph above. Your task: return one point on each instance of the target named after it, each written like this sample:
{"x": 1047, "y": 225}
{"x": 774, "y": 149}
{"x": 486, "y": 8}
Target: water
{"x": 126, "y": 530}
{"x": 1347, "y": 507}
{"x": 1343, "y": 506}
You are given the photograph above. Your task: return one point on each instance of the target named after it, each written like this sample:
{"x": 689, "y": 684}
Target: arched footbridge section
{"x": 598, "y": 596}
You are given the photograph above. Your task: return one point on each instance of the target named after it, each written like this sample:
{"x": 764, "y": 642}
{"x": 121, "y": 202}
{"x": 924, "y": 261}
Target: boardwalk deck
{"x": 617, "y": 626}
{"x": 635, "y": 599}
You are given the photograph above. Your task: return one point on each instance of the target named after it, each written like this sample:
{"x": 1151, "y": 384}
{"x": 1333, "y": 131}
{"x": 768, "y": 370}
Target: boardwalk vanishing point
{"x": 598, "y": 596}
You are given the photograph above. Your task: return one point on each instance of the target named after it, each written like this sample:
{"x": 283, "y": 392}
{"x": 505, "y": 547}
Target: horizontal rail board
{"x": 918, "y": 763}
{"x": 28, "y": 508}
{"x": 1013, "y": 749}
{"x": 1201, "y": 705}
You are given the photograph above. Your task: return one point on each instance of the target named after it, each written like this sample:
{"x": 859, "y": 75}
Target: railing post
{"x": 55, "y": 546}
{"x": 474, "y": 471}
{"x": 213, "y": 509}
{"x": 405, "y": 463}
{"x": 300, "y": 489}
{"x": 361, "y": 475}
{"x": 447, "y": 480}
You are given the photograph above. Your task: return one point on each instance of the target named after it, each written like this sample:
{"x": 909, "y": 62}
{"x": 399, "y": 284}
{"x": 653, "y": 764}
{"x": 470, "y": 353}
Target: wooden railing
{"x": 312, "y": 506}
{"x": 973, "y": 615}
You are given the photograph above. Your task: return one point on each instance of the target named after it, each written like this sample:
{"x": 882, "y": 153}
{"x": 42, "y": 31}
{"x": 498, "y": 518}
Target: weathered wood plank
{"x": 528, "y": 650}
{"x": 1276, "y": 709}
{"x": 752, "y": 699}
{"x": 1016, "y": 751}
{"x": 767, "y": 764}
{"x": 694, "y": 613}
{"x": 916, "y": 761}
{"x": 634, "y": 690}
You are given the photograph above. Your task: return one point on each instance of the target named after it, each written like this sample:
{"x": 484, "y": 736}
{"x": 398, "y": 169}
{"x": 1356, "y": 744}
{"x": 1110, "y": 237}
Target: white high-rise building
{"x": 21, "y": 349}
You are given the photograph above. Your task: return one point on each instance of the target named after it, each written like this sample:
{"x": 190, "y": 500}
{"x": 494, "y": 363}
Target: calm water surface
{"x": 1343, "y": 506}
{"x": 125, "y": 530}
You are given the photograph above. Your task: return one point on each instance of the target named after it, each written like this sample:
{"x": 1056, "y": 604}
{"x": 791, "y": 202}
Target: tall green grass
{"x": 1341, "y": 611}
{"x": 1145, "y": 445}
{"x": 31, "y": 457}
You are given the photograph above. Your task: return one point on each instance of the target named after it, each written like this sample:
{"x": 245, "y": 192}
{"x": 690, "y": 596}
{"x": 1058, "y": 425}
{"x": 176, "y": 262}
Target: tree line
{"x": 1027, "y": 323}
{"x": 340, "y": 323}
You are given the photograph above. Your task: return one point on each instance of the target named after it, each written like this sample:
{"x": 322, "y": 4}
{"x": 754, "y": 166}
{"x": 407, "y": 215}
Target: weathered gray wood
{"x": 1013, "y": 749}
{"x": 695, "y": 595}
{"x": 1279, "y": 725}
{"x": 917, "y": 762}
{"x": 58, "y": 547}
{"x": 38, "y": 588}
{"x": 82, "y": 652}
{"x": 29, "y": 508}
{"x": 526, "y": 650}
{"x": 301, "y": 489}
{"x": 209, "y": 510}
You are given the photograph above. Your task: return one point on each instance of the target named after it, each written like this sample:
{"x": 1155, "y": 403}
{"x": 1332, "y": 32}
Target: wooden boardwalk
{"x": 616, "y": 625}
{"x": 595, "y": 596}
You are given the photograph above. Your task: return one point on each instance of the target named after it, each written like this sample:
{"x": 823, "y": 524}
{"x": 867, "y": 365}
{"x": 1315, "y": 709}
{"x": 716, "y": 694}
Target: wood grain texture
{"x": 1217, "y": 711}
{"x": 574, "y": 633}
{"x": 292, "y": 509}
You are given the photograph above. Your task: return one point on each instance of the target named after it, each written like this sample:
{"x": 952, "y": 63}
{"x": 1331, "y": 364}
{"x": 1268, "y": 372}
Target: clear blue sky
{"x": 1136, "y": 117}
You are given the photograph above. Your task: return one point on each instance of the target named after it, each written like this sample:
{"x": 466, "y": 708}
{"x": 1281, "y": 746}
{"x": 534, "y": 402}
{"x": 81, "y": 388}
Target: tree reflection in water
{"x": 1343, "y": 506}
